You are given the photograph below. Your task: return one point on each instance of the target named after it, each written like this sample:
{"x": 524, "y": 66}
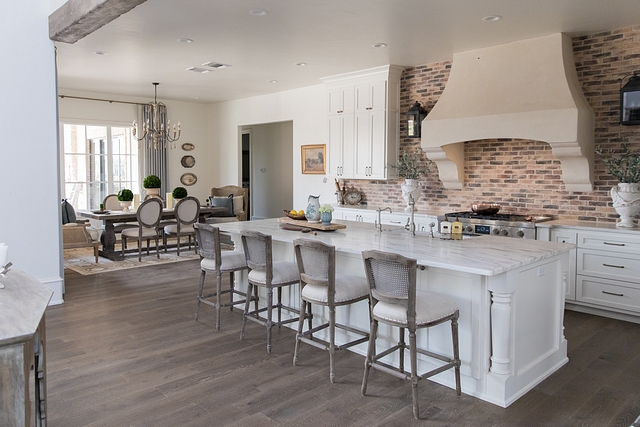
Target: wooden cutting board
{"x": 313, "y": 226}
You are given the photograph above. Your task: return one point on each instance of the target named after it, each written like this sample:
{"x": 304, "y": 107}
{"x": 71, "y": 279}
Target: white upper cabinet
{"x": 363, "y": 121}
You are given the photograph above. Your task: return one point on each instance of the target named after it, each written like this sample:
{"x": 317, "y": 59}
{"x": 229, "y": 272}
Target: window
{"x": 98, "y": 161}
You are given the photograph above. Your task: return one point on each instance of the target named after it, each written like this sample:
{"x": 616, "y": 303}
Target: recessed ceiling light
{"x": 492, "y": 18}
{"x": 185, "y": 40}
{"x": 380, "y": 45}
{"x": 100, "y": 52}
{"x": 301, "y": 64}
{"x": 257, "y": 12}
{"x": 272, "y": 81}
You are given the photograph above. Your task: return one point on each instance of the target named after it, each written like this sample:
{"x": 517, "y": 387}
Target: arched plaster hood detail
{"x": 527, "y": 89}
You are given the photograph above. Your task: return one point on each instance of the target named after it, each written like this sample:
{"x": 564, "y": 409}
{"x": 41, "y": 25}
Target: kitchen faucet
{"x": 411, "y": 225}
{"x": 379, "y": 221}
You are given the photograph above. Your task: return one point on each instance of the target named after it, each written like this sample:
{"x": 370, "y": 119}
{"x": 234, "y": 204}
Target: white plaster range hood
{"x": 526, "y": 89}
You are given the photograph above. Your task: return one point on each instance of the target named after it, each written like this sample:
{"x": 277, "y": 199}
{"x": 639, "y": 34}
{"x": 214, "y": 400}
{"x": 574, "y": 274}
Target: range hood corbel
{"x": 527, "y": 89}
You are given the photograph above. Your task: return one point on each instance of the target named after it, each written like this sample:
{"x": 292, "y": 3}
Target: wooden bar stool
{"x": 394, "y": 301}
{"x": 319, "y": 284}
{"x": 263, "y": 271}
{"x": 214, "y": 260}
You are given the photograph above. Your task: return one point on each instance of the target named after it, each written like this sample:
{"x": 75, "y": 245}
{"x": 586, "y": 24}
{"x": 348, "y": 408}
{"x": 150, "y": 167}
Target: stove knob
{"x": 496, "y": 231}
{"x": 504, "y": 232}
{"x": 520, "y": 233}
{"x": 468, "y": 229}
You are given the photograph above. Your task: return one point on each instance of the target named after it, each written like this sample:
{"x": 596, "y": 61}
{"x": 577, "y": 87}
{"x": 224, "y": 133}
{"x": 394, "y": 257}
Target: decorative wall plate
{"x": 188, "y": 179}
{"x": 188, "y": 161}
{"x": 188, "y": 146}
{"x": 352, "y": 196}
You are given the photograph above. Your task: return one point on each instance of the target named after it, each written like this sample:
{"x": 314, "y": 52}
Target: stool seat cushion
{"x": 283, "y": 272}
{"x": 133, "y": 232}
{"x": 429, "y": 308}
{"x": 173, "y": 229}
{"x": 348, "y": 288}
{"x": 231, "y": 261}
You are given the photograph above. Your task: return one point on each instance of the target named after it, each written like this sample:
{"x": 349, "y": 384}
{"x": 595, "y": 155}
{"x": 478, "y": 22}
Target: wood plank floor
{"x": 125, "y": 350}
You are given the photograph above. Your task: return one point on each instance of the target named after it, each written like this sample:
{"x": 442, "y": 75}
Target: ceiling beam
{"x": 78, "y": 18}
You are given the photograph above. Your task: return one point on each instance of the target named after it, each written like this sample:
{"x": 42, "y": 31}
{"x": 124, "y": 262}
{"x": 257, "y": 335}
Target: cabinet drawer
{"x": 613, "y": 242}
{"x": 609, "y": 265}
{"x": 607, "y": 293}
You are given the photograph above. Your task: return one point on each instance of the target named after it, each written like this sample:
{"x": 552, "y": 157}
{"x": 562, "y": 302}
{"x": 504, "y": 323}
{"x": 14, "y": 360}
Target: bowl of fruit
{"x": 294, "y": 214}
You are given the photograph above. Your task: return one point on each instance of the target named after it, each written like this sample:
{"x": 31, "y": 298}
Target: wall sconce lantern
{"x": 415, "y": 115}
{"x": 630, "y": 100}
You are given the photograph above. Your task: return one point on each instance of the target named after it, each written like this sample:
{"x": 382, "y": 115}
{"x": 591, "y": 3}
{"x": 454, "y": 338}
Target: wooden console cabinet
{"x": 23, "y": 301}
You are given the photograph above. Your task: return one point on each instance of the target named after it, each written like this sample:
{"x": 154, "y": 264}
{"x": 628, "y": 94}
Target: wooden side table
{"x": 23, "y": 302}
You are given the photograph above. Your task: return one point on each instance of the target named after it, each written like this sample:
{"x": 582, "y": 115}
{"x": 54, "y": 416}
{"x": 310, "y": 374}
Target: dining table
{"x": 110, "y": 218}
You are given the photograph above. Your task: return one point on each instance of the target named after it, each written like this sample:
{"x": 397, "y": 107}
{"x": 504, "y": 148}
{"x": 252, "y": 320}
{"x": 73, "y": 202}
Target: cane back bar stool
{"x": 214, "y": 260}
{"x": 394, "y": 301}
{"x": 263, "y": 271}
{"x": 319, "y": 284}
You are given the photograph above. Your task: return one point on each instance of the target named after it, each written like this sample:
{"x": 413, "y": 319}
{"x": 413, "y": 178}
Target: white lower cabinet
{"x": 605, "y": 271}
{"x": 395, "y": 219}
{"x": 568, "y": 236}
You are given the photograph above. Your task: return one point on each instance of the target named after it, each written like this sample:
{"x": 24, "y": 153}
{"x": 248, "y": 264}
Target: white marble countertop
{"x": 587, "y": 226}
{"x": 484, "y": 255}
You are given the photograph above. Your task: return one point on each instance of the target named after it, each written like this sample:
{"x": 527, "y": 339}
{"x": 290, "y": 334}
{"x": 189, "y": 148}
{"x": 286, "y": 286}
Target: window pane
{"x": 74, "y": 139}
{"x": 76, "y": 194}
{"x": 75, "y": 167}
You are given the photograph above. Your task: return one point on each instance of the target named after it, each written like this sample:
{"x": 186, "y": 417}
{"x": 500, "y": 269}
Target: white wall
{"x": 271, "y": 166}
{"x": 193, "y": 123}
{"x": 306, "y": 108}
{"x": 30, "y": 220}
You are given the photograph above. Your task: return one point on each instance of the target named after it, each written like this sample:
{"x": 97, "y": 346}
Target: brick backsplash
{"x": 522, "y": 175}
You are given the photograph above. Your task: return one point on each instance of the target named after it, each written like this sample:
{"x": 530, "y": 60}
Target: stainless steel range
{"x": 499, "y": 224}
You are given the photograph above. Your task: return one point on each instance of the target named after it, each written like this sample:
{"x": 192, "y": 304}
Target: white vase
{"x": 312, "y": 213}
{"x": 152, "y": 191}
{"x": 626, "y": 201}
{"x": 126, "y": 206}
{"x": 411, "y": 187}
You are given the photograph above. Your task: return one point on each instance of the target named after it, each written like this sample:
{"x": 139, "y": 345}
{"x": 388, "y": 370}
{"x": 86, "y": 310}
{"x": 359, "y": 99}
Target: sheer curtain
{"x": 154, "y": 160}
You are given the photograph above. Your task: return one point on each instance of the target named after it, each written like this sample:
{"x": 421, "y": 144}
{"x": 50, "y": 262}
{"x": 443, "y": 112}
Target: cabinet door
{"x": 341, "y": 145}
{"x": 341, "y": 100}
{"x": 377, "y": 145}
{"x": 568, "y": 236}
{"x": 371, "y": 96}
{"x": 362, "y": 145}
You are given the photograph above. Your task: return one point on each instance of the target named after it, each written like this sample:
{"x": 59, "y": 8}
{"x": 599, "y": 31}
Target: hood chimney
{"x": 527, "y": 89}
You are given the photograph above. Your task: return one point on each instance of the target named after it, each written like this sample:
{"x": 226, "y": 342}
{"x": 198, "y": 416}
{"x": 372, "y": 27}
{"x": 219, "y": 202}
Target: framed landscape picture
{"x": 313, "y": 159}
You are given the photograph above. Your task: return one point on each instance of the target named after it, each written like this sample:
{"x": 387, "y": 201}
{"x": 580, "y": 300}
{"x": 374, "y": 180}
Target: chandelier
{"x": 154, "y": 127}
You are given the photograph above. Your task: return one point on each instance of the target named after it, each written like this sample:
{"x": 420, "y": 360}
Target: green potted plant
{"x": 179, "y": 193}
{"x": 125, "y": 197}
{"x": 411, "y": 168}
{"x": 625, "y": 167}
{"x": 326, "y": 214}
{"x": 152, "y": 185}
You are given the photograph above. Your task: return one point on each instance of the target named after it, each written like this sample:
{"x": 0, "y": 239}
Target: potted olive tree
{"x": 125, "y": 197}
{"x": 411, "y": 168}
{"x": 152, "y": 185}
{"x": 625, "y": 167}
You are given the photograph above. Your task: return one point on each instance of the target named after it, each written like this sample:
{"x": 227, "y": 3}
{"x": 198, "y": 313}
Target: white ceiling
{"x": 331, "y": 36}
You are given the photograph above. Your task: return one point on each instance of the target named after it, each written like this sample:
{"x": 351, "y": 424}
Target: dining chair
{"x": 148, "y": 215}
{"x": 187, "y": 211}
{"x": 265, "y": 272}
{"x": 395, "y": 302}
{"x": 215, "y": 260}
{"x": 321, "y": 285}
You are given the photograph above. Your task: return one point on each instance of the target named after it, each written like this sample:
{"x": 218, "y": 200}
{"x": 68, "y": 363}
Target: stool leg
{"x": 255, "y": 299}
{"x": 310, "y": 319}
{"x": 200, "y": 292}
{"x": 414, "y": 370}
{"x": 402, "y": 345}
{"x": 231, "y": 289}
{"x": 269, "y": 317}
{"x": 371, "y": 350}
{"x": 246, "y": 310}
{"x": 456, "y": 353}
{"x": 218, "y": 296}
{"x": 279, "y": 307}
{"x": 303, "y": 307}
{"x": 332, "y": 341}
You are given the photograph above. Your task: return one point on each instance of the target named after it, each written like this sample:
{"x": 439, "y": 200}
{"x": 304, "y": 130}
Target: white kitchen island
{"x": 510, "y": 293}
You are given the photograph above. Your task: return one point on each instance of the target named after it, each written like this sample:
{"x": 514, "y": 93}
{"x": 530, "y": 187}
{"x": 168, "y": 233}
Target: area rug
{"x": 82, "y": 261}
